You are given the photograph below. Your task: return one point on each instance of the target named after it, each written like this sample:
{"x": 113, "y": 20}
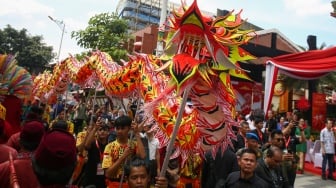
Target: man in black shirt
{"x": 269, "y": 168}
{"x": 271, "y": 123}
{"x": 245, "y": 178}
{"x": 215, "y": 171}
{"x": 290, "y": 160}
{"x": 262, "y": 137}
{"x": 95, "y": 145}
{"x": 241, "y": 136}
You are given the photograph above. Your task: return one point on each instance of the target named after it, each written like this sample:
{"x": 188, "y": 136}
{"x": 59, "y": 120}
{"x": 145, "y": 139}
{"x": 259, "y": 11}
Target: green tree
{"x": 105, "y": 32}
{"x": 31, "y": 52}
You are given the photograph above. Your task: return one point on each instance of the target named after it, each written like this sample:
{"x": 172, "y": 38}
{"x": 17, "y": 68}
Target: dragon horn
{"x": 13, "y": 178}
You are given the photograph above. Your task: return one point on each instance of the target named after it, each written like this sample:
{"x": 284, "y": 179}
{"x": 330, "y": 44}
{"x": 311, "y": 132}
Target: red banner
{"x": 249, "y": 96}
{"x": 319, "y": 111}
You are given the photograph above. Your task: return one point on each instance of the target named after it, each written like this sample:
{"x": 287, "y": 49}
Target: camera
{"x": 295, "y": 123}
{"x": 140, "y": 118}
{"x": 289, "y": 150}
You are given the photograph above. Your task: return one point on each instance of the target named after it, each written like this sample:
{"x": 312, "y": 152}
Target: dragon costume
{"x": 15, "y": 87}
{"x": 201, "y": 55}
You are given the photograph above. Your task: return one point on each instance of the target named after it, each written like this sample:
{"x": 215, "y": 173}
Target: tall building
{"x": 143, "y": 13}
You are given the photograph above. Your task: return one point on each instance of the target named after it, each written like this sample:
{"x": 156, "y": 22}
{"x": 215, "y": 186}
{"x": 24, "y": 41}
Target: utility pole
{"x": 311, "y": 40}
{"x": 161, "y": 30}
{"x": 61, "y": 25}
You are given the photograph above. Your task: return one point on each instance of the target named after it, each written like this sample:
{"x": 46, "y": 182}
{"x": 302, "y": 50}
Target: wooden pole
{"x": 174, "y": 134}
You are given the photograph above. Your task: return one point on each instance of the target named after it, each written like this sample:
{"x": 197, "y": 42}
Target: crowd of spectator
{"x": 89, "y": 146}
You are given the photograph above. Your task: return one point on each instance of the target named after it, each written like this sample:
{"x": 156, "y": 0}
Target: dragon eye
{"x": 220, "y": 31}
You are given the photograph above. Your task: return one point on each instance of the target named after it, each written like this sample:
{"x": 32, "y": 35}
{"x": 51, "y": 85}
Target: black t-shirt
{"x": 234, "y": 181}
{"x": 90, "y": 172}
{"x": 239, "y": 143}
{"x": 217, "y": 169}
{"x": 290, "y": 144}
{"x": 271, "y": 124}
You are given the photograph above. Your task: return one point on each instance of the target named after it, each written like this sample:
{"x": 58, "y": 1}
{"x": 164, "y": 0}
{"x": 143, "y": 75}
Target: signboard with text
{"x": 319, "y": 111}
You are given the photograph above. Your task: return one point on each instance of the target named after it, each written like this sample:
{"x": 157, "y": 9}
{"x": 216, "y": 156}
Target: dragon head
{"x": 202, "y": 44}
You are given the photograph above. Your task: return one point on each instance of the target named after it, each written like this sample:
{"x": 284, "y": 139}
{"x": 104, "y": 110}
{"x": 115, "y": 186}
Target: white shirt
{"x": 250, "y": 122}
{"x": 153, "y": 145}
{"x": 327, "y": 137}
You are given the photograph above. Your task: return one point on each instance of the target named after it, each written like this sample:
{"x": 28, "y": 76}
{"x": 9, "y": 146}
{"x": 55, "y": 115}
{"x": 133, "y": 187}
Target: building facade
{"x": 141, "y": 13}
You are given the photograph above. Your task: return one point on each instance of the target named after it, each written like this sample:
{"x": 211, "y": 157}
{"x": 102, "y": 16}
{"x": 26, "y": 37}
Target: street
{"x": 308, "y": 180}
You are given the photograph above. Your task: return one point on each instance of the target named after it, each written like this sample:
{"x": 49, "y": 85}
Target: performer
{"x": 80, "y": 115}
{"x": 116, "y": 153}
{"x": 137, "y": 173}
{"x": 191, "y": 172}
{"x": 95, "y": 145}
{"x": 69, "y": 126}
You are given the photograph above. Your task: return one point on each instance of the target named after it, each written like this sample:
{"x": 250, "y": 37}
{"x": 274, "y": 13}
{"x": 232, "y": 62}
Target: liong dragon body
{"x": 202, "y": 54}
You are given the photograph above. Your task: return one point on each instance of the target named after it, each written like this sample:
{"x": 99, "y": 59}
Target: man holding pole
{"x": 119, "y": 151}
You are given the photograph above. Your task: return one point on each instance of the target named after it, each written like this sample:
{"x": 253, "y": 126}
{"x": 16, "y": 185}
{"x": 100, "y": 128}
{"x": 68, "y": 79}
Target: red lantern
{"x": 302, "y": 104}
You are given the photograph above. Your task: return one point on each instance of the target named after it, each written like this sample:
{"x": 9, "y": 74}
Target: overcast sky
{"x": 296, "y": 19}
